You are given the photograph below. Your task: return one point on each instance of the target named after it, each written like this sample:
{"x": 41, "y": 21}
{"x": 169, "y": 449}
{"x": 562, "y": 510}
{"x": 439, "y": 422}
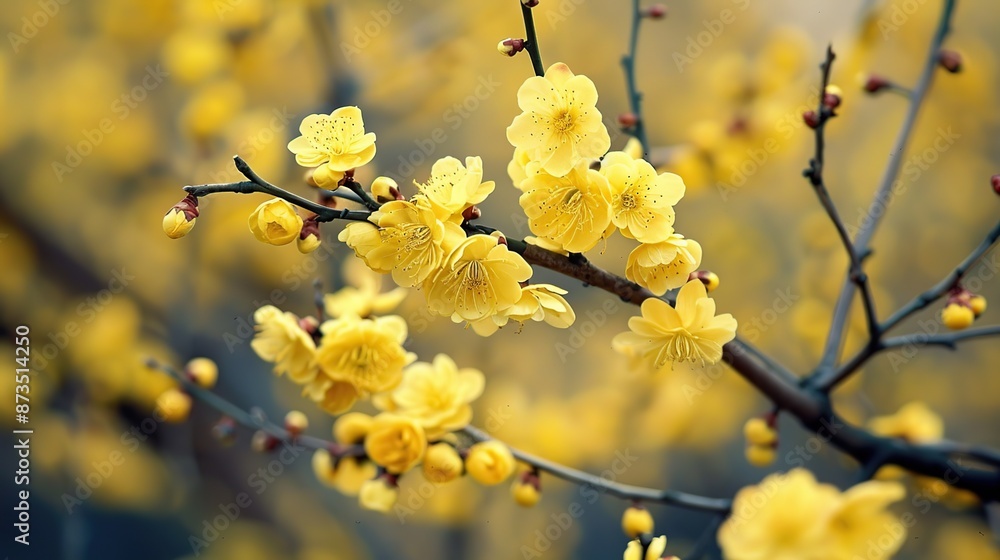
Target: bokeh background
{"x": 109, "y": 107}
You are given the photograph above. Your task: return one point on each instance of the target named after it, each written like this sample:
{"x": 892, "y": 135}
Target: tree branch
{"x": 531, "y": 41}
{"x": 634, "y": 95}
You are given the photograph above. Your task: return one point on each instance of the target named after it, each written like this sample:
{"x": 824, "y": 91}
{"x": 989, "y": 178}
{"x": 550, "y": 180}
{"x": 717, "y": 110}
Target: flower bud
{"x": 510, "y": 47}
{"x": 471, "y": 213}
{"x": 351, "y": 428}
{"x": 173, "y": 405}
{"x": 950, "y": 61}
{"x": 527, "y": 489}
{"x": 262, "y": 442}
{"x": 957, "y": 316}
{"x": 180, "y": 219}
{"x": 832, "y": 97}
{"x": 656, "y": 11}
{"x": 758, "y": 432}
{"x": 309, "y": 239}
{"x": 224, "y": 431}
{"x": 384, "y": 189}
{"x": 995, "y": 183}
{"x": 811, "y": 119}
{"x": 760, "y": 455}
{"x": 875, "y": 84}
{"x": 636, "y": 521}
{"x": 323, "y": 177}
{"x": 203, "y": 372}
{"x": 442, "y": 463}
{"x": 275, "y": 222}
{"x": 296, "y": 422}
{"x": 978, "y": 305}
{"x": 379, "y": 494}
{"x": 628, "y": 120}
{"x": 489, "y": 462}
{"x": 707, "y": 277}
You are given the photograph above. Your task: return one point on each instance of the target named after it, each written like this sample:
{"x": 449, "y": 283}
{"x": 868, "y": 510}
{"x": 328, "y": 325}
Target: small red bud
{"x": 530, "y": 3}
{"x": 875, "y": 84}
{"x": 471, "y": 213}
{"x": 395, "y": 193}
{"x": 950, "y": 61}
{"x": 510, "y": 47}
{"x": 995, "y": 181}
{"x": 628, "y": 120}
{"x": 656, "y": 11}
{"x": 811, "y": 119}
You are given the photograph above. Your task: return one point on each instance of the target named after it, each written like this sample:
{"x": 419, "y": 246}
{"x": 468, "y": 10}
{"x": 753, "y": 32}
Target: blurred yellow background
{"x": 111, "y": 106}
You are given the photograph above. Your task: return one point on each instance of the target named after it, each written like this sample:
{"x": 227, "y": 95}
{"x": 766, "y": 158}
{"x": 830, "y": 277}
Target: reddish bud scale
{"x": 530, "y": 3}
{"x": 995, "y": 182}
{"x": 656, "y": 11}
{"x": 811, "y": 119}
{"x": 309, "y": 227}
{"x": 471, "y": 213}
{"x": 395, "y": 193}
{"x": 831, "y": 101}
{"x": 875, "y": 84}
{"x": 189, "y": 206}
{"x": 950, "y": 61}
{"x": 628, "y": 120}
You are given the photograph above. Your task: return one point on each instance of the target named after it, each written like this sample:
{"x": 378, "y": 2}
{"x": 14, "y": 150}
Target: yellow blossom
{"x": 308, "y": 244}
{"x": 173, "y": 405}
{"x": 758, "y": 432}
{"x": 760, "y": 455}
{"x": 442, "y": 463}
{"x": 176, "y": 223}
{"x": 860, "y": 519}
{"x": 352, "y": 427}
{"x": 637, "y": 520}
{"x": 978, "y": 305}
{"x": 479, "y": 278}
{"x": 334, "y": 143}
{"x": 914, "y": 422}
{"x": 282, "y": 341}
{"x": 332, "y": 396}
{"x": 367, "y": 353}
{"x": 347, "y": 474}
{"x": 521, "y": 167}
{"x": 654, "y": 552}
{"x": 957, "y": 316}
{"x": 378, "y": 495}
{"x": 489, "y": 462}
{"x": 689, "y": 332}
{"x": 453, "y": 187}
{"x": 641, "y": 201}
{"x": 382, "y": 189}
{"x": 275, "y": 222}
{"x": 560, "y": 123}
{"x": 438, "y": 395}
{"x": 542, "y": 302}
{"x": 202, "y": 371}
{"x": 665, "y": 265}
{"x": 395, "y": 442}
{"x": 573, "y": 212}
{"x": 363, "y": 296}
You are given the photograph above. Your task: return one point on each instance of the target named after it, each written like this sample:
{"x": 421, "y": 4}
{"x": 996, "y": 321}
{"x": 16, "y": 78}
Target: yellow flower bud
{"x": 323, "y": 467}
{"x": 637, "y": 520}
{"x": 296, "y": 422}
{"x": 378, "y": 495}
{"x": 395, "y": 442}
{"x": 325, "y": 177}
{"x": 382, "y": 189}
{"x": 760, "y": 455}
{"x": 525, "y": 493}
{"x": 956, "y": 316}
{"x": 203, "y": 372}
{"x": 442, "y": 463}
{"x": 173, "y": 405}
{"x": 275, "y": 222}
{"x": 489, "y": 462}
{"x": 352, "y": 427}
{"x": 758, "y": 432}
{"x": 978, "y": 305}
{"x": 633, "y": 148}
{"x": 309, "y": 244}
{"x": 176, "y": 224}
{"x": 708, "y": 278}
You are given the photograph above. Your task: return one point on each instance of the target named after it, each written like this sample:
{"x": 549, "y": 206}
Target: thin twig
{"x": 531, "y": 40}
{"x": 876, "y": 210}
{"x": 628, "y": 65}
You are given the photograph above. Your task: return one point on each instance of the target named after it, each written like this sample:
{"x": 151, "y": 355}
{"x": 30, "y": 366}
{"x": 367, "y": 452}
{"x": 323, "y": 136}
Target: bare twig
{"x": 628, "y": 65}
{"x": 531, "y": 41}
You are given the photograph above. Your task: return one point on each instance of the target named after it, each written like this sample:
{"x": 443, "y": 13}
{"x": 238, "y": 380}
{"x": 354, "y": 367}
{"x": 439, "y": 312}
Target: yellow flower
{"x": 378, "y": 495}
{"x": 337, "y": 142}
{"x": 560, "y": 123}
{"x": 489, "y": 462}
{"x": 453, "y": 187}
{"x": 637, "y": 520}
{"x": 335, "y": 397}
{"x": 410, "y": 241}
{"x": 760, "y": 455}
{"x": 860, "y": 519}
{"x": 202, "y": 371}
{"x": 367, "y": 353}
{"x": 574, "y": 211}
{"x": 782, "y": 518}
{"x": 521, "y": 167}
{"x": 281, "y": 340}
{"x": 689, "y": 332}
{"x": 176, "y": 223}
{"x": 438, "y": 395}
{"x": 641, "y": 201}
{"x": 758, "y": 432}
{"x": 654, "y": 552}
{"x": 957, "y": 316}
{"x": 525, "y": 493}
{"x": 382, "y": 189}
{"x": 275, "y": 222}
{"x": 478, "y": 279}
{"x": 363, "y": 296}
{"x": 173, "y": 405}
{"x": 542, "y": 302}
{"x": 308, "y": 244}
{"x": 914, "y": 422}
{"x": 442, "y": 463}
{"x": 352, "y": 427}
{"x": 395, "y": 442}
{"x": 347, "y": 475}
{"x": 665, "y": 265}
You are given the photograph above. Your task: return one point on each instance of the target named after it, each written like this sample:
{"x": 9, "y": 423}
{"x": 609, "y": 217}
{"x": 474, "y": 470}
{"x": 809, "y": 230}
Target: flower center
{"x": 629, "y": 201}
{"x": 563, "y": 122}
{"x": 475, "y": 277}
